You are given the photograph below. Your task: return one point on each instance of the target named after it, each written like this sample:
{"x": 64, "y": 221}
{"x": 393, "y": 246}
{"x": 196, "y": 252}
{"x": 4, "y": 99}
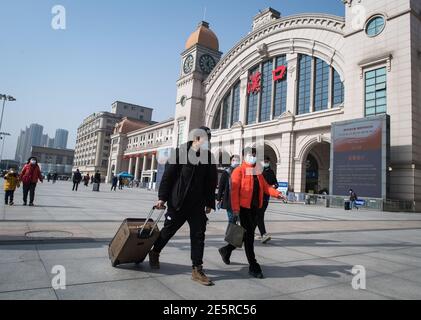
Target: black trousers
{"x": 9, "y": 195}
{"x": 29, "y": 188}
{"x": 114, "y": 187}
{"x": 261, "y": 218}
{"x": 248, "y": 220}
{"x": 197, "y": 220}
{"x": 75, "y": 186}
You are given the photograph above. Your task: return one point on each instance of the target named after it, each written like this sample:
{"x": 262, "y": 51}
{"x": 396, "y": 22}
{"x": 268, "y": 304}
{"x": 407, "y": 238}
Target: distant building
{"x": 93, "y": 141}
{"x": 8, "y": 164}
{"x": 136, "y": 150}
{"x": 54, "y": 160}
{"x": 60, "y": 140}
{"x": 29, "y": 137}
{"x": 132, "y": 111}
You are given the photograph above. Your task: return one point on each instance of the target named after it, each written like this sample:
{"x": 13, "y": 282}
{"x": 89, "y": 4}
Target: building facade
{"x": 291, "y": 77}
{"x": 137, "y": 151}
{"x": 93, "y": 141}
{"x": 60, "y": 139}
{"x": 52, "y": 160}
{"x": 29, "y": 137}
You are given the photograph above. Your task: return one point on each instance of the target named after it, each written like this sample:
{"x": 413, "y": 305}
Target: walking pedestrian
{"x": 29, "y": 176}
{"x": 120, "y": 182}
{"x": 114, "y": 183}
{"x": 77, "y": 178}
{"x": 270, "y": 178}
{"x": 188, "y": 187}
{"x": 353, "y": 199}
{"x": 248, "y": 187}
{"x": 224, "y": 194}
{"x": 86, "y": 180}
{"x": 11, "y": 182}
{"x": 55, "y": 177}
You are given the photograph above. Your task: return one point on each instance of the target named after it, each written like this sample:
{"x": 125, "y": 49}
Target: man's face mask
{"x": 33, "y": 162}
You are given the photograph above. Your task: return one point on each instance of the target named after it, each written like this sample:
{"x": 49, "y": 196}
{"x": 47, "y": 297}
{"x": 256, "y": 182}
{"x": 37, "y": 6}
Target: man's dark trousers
{"x": 196, "y": 217}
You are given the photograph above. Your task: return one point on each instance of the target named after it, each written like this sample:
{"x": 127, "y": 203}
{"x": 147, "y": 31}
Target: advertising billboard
{"x": 359, "y": 157}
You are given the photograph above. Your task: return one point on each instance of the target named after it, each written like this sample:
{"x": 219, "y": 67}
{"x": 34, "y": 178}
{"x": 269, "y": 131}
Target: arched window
{"x": 304, "y": 84}
{"x": 253, "y": 99}
{"x": 281, "y": 86}
{"x": 228, "y": 111}
{"x": 236, "y": 104}
{"x": 266, "y": 95}
{"x": 321, "y": 85}
{"x": 226, "y": 106}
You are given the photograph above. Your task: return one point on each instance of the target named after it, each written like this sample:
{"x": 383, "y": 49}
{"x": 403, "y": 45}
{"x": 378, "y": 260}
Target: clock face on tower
{"x": 188, "y": 64}
{"x": 207, "y": 63}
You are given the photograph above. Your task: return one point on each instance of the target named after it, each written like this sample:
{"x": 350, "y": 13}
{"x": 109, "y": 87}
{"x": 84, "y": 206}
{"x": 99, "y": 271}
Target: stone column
{"x": 131, "y": 166}
{"x": 243, "y": 97}
{"x": 152, "y": 170}
{"x": 137, "y": 169}
{"x": 292, "y": 60}
{"x": 145, "y": 158}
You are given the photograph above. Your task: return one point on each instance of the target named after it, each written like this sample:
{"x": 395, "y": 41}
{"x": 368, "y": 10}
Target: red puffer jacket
{"x": 30, "y": 174}
{"x": 242, "y": 187}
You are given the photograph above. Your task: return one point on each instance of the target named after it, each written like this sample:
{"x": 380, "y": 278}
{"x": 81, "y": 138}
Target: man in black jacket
{"x": 77, "y": 178}
{"x": 188, "y": 187}
{"x": 270, "y": 178}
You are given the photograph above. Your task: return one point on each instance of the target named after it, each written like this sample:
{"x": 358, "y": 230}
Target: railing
{"x": 339, "y": 201}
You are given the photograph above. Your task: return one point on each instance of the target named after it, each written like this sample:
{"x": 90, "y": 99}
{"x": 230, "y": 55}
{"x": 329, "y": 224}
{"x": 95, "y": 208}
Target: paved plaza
{"x": 310, "y": 257}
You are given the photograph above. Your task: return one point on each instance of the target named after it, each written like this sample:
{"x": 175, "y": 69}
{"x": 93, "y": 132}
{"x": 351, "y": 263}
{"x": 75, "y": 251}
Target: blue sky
{"x": 111, "y": 50}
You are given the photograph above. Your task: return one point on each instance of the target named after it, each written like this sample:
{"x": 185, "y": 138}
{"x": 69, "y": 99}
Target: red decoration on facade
{"x": 279, "y": 73}
{"x": 254, "y": 85}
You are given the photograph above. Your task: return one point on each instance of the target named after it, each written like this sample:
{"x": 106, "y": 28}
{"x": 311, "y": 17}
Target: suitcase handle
{"x": 156, "y": 222}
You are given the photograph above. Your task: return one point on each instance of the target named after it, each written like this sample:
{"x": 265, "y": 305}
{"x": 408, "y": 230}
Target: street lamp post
{"x": 4, "y": 98}
{"x": 3, "y": 137}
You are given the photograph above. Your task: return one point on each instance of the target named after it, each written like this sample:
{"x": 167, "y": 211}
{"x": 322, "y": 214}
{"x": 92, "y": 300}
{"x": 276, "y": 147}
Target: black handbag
{"x": 235, "y": 234}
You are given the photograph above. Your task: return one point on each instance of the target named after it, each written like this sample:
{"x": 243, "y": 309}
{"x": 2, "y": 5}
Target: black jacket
{"x": 270, "y": 178}
{"x": 187, "y": 185}
{"x": 77, "y": 177}
{"x": 97, "y": 178}
{"x": 224, "y": 189}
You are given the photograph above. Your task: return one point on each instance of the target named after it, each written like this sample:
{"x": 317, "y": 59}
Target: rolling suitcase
{"x": 134, "y": 240}
{"x": 96, "y": 187}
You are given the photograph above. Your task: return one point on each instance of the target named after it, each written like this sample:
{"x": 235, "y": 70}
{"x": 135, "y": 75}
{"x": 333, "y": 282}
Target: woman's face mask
{"x": 235, "y": 163}
{"x": 33, "y": 162}
{"x": 250, "y": 159}
{"x": 265, "y": 165}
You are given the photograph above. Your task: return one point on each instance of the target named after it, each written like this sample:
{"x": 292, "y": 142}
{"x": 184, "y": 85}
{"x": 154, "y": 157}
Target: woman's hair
{"x": 29, "y": 160}
{"x": 234, "y": 156}
{"x": 249, "y": 150}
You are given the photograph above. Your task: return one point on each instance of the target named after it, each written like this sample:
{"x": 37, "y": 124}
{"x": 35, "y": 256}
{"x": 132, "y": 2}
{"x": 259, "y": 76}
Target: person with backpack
{"x": 248, "y": 187}
{"x": 114, "y": 183}
{"x": 188, "y": 187}
{"x": 29, "y": 176}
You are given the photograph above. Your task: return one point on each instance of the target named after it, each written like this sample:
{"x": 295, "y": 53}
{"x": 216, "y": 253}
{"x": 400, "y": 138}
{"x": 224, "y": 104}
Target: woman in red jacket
{"x": 248, "y": 187}
{"x": 29, "y": 176}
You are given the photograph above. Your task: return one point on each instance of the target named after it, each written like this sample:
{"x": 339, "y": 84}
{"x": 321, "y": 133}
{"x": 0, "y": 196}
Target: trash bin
{"x": 347, "y": 205}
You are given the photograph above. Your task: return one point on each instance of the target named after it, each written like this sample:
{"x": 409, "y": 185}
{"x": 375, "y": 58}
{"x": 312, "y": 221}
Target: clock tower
{"x": 197, "y": 61}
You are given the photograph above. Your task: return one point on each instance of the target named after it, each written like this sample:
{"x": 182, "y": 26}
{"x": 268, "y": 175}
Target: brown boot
{"x": 154, "y": 260}
{"x": 199, "y": 276}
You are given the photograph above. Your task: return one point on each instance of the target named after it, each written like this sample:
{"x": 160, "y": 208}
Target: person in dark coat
{"x": 120, "y": 183}
{"x": 86, "y": 180}
{"x": 188, "y": 187}
{"x": 224, "y": 194}
{"x": 77, "y": 178}
{"x": 114, "y": 183}
{"x": 270, "y": 178}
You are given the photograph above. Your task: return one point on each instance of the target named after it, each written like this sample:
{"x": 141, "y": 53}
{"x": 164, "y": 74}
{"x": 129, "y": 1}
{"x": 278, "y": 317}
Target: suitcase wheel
{"x": 116, "y": 263}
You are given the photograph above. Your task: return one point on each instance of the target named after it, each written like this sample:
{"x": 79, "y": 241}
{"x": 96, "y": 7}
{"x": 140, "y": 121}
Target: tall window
{"x": 338, "y": 89}
{"x": 304, "y": 83}
{"x": 217, "y": 119}
{"x": 180, "y": 136}
{"x": 236, "y": 104}
{"x": 280, "y": 90}
{"x": 375, "y": 92}
{"x": 253, "y": 99}
{"x": 266, "y": 95}
{"x": 226, "y": 104}
{"x": 321, "y": 85}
